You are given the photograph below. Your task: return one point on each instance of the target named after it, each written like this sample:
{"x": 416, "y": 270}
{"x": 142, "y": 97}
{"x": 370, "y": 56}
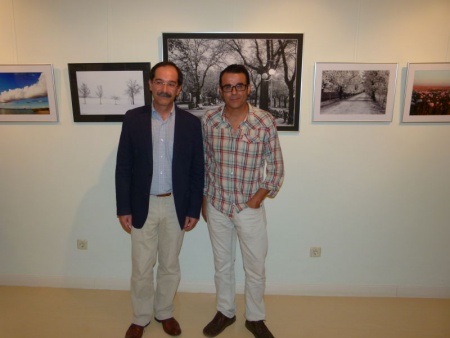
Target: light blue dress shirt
{"x": 162, "y": 140}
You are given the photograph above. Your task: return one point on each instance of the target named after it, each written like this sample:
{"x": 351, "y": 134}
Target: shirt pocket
{"x": 249, "y": 148}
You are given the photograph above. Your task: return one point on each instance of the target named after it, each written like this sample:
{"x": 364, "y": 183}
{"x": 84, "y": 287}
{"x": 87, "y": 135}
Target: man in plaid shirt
{"x": 243, "y": 165}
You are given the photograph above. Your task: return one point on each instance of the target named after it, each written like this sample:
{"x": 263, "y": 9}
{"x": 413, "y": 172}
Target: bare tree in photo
{"x": 196, "y": 58}
{"x": 266, "y": 57}
{"x": 115, "y": 98}
{"x": 289, "y": 56}
{"x": 255, "y": 80}
{"x": 99, "y": 93}
{"x": 260, "y": 56}
{"x": 84, "y": 91}
{"x": 133, "y": 88}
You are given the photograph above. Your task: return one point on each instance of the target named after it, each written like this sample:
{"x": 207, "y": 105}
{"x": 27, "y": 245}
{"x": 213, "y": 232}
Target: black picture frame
{"x": 104, "y": 92}
{"x": 274, "y": 61}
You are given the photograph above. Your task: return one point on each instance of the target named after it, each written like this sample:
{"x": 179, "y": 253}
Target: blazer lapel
{"x": 147, "y": 130}
{"x": 178, "y": 137}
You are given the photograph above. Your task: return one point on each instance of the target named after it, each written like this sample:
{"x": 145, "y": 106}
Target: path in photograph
{"x": 358, "y": 104}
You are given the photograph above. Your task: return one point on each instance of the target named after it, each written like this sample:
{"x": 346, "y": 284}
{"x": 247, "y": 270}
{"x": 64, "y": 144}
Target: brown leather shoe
{"x": 170, "y": 326}
{"x": 258, "y": 328}
{"x": 135, "y": 331}
{"x": 219, "y": 323}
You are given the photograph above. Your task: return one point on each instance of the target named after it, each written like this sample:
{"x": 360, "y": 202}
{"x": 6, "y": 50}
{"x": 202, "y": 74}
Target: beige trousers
{"x": 159, "y": 240}
{"x": 250, "y": 227}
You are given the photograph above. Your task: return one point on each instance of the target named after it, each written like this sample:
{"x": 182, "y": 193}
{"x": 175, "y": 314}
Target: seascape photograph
{"x": 23, "y": 94}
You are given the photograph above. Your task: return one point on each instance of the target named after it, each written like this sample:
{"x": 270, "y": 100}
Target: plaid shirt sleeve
{"x": 274, "y": 162}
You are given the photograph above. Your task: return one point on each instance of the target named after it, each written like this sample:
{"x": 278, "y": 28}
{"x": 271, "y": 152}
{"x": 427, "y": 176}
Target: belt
{"x": 164, "y": 195}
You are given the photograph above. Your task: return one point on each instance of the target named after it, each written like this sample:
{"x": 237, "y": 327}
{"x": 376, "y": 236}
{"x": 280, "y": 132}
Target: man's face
{"x": 234, "y": 90}
{"x": 164, "y": 86}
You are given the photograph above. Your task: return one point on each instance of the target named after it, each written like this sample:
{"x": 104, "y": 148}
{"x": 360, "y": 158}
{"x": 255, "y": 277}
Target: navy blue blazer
{"x": 134, "y": 166}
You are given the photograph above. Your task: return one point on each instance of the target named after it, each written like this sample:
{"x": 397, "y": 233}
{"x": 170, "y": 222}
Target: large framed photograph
{"x": 104, "y": 92}
{"x": 427, "y": 93}
{"x": 354, "y": 91}
{"x": 273, "y": 60}
{"x": 27, "y": 93}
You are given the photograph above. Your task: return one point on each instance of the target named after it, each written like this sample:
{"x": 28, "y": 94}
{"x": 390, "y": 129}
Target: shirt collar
{"x": 156, "y": 115}
{"x": 249, "y": 119}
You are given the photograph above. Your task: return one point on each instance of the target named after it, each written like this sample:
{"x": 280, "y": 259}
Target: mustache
{"x": 164, "y": 94}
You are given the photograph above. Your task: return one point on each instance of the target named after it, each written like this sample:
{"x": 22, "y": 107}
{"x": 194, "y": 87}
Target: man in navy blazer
{"x": 159, "y": 192}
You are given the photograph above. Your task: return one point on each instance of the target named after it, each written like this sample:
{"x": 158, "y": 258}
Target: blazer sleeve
{"x": 197, "y": 172}
{"x": 124, "y": 170}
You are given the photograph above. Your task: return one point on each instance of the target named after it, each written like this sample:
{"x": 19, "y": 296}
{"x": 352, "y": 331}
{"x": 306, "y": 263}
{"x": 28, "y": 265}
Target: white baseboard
{"x": 65, "y": 282}
{"x": 402, "y": 291}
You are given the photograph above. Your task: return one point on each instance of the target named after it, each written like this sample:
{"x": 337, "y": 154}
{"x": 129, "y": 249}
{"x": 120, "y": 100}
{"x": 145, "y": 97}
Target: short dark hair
{"x": 235, "y": 69}
{"x": 164, "y": 64}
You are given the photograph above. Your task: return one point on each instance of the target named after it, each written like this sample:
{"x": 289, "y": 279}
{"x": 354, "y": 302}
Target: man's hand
{"x": 125, "y": 222}
{"x": 204, "y": 203}
{"x": 257, "y": 199}
{"x": 190, "y": 223}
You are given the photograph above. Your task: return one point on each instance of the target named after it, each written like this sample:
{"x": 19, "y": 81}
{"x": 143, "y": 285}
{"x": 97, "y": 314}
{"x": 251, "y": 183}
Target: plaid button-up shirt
{"x": 238, "y": 164}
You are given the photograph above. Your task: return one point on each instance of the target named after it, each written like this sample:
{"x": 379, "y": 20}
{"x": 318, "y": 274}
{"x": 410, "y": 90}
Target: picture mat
{"x": 47, "y": 71}
{"x": 321, "y": 67}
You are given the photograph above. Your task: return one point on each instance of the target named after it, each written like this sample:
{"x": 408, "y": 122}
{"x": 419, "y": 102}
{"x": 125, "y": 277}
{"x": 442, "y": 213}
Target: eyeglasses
{"x": 239, "y": 87}
{"x": 160, "y": 83}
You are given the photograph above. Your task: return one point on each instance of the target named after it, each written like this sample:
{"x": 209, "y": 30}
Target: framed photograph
{"x": 354, "y": 91}
{"x": 273, "y": 60}
{"x": 27, "y": 93}
{"x": 104, "y": 92}
{"x": 427, "y": 93}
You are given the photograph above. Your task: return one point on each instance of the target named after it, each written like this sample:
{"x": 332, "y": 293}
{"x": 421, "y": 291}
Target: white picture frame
{"x": 362, "y": 92}
{"x": 27, "y": 93}
{"x": 427, "y": 93}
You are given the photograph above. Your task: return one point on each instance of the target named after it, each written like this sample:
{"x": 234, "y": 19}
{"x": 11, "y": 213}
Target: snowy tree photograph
{"x": 274, "y": 62}
{"x": 104, "y": 92}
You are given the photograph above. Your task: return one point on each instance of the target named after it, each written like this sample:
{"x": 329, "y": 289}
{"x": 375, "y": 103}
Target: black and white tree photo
{"x": 354, "y": 92}
{"x": 104, "y": 92}
{"x": 273, "y": 61}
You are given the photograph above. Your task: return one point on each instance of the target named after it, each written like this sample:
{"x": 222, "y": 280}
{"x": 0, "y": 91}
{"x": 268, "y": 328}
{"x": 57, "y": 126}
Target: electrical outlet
{"x": 82, "y": 244}
{"x": 315, "y": 251}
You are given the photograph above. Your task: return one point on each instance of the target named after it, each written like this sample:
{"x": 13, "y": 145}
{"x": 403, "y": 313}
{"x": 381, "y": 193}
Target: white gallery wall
{"x": 374, "y": 196}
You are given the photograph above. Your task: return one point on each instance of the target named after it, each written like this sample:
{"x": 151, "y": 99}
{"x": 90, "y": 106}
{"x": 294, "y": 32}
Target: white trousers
{"x": 250, "y": 226}
{"x": 159, "y": 239}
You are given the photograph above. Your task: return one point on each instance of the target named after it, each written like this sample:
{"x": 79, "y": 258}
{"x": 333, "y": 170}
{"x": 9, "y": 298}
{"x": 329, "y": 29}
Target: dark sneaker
{"x": 219, "y": 323}
{"x": 258, "y": 328}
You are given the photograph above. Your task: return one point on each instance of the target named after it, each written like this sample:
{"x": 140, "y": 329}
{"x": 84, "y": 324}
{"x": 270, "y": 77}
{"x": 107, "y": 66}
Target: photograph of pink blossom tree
{"x": 427, "y": 96}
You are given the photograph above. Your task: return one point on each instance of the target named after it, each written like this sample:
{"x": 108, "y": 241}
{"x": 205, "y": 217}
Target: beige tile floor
{"x": 65, "y": 313}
